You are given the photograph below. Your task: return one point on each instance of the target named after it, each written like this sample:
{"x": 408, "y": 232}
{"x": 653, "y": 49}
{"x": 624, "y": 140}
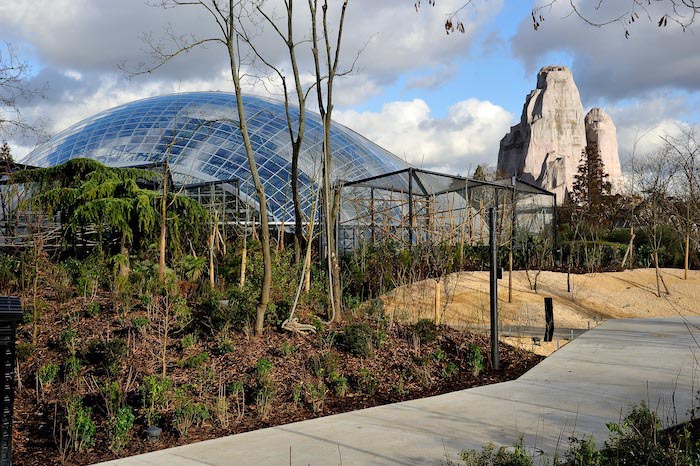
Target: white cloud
{"x": 467, "y": 136}
{"x": 605, "y": 64}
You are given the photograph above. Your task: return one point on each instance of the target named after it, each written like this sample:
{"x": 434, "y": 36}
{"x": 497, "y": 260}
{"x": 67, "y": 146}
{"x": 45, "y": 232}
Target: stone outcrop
{"x": 600, "y": 130}
{"x": 545, "y": 147}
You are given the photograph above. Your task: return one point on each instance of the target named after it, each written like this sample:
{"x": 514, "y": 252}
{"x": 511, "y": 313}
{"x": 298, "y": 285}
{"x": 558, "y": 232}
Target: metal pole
{"x": 410, "y": 207}
{"x": 494, "y": 287}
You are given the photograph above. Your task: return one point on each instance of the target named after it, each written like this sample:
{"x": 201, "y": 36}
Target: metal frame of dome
{"x": 198, "y": 132}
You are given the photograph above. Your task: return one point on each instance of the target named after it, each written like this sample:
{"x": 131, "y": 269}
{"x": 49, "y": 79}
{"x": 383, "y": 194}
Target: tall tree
{"x": 591, "y": 187}
{"x": 326, "y": 63}
{"x": 14, "y": 88}
{"x": 228, "y": 29}
{"x": 88, "y": 193}
{"x": 683, "y": 150}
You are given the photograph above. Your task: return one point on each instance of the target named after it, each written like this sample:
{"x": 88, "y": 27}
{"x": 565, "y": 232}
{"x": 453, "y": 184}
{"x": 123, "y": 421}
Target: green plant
{"x": 195, "y": 361}
{"x": 221, "y": 407}
{"x": 187, "y": 413}
{"x": 113, "y": 397}
{"x": 296, "y": 393}
{"x": 237, "y": 392}
{"x": 316, "y": 395}
{"x": 286, "y": 348}
{"x": 503, "y": 456}
{"x": 263, "y": 370}
{"x": 69, "y": 340}
{"x": 367, "y": 382}
{"x": 340, "y": 384}
{"x": 187, "y": 341}
{"x": 426, "y": 330}
{"x": 71, "y": 367}
{"x": 154, "y": 391}
{"x": 25, "y": 350}
{"x": 357, "y": 339}
{"x": 81, "y": 428}
{"x": 324, "y": 364}
{"x": 139, "y": 322}
{"x": 263, "y": 400}
{"x": 93, "y": 309}
{"x": 439, "y": 355}
{"x": 475, "y": 359}
{"x": 121, "y": 426}
{"x": 225, "y": 346}
{"x": 108, "y": 354}
{"x": 450, "y": 370}
{"x": 47, "y": 374}
{"x": 400, "y": 388}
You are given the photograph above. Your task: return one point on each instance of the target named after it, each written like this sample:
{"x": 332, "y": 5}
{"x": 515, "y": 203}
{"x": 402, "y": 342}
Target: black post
{"x": 410, "y": 207}
{"x": 494, "y": 287}
{"x": 10, "y": 314}
{"x": 549, "y": 319}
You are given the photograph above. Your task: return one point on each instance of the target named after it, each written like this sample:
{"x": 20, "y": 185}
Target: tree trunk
{"x": 658, "y": 274}
{"x": 686, "y": 255}
{"x": 259, "y": 189}
{"x": 163, "y": 227}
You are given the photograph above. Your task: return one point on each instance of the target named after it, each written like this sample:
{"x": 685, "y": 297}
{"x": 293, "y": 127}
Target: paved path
{"x": 587, "y": 383}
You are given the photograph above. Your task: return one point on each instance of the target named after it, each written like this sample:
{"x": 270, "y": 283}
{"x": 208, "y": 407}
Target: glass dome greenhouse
{"x": 199, "y": 133}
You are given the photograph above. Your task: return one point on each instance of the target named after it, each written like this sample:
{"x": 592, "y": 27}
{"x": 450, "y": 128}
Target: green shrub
{"x": 475, "y": 359}
{"x": 186, "y": 414}
{"x": 426, "y": 330}
{"x": 503, "y": 456}
{"x": 139, "y": 322}
{"x": 187, "y": 341}
{"x": 367, "y": 382}
{"x": 198, "y": 360}
{"x": 69, "y": 340}
{"x": 316, "y": 395}
{"x": 296, "y": 393}
{"x": 154, "y": 391}
{"x": 108, "y": 354}
{"x": 340, "y": 384}
{"x": 121, "y": 426}
{"x": 47, "y": 374}
{"x": 324, "y": 364}
{"x": 225, "y": 346}
{"x": 71, "y": 367}
{"x": 93, "y": 309}
{"x": 357, "y": 339}
{"x": 263, "y": 400}
{"x": 286, "y": 348}
{"x": 113, "y": 397}
{"x": 263, "y": 370}
{"x": 81, "y": 428}
{"x": 25, "y": 350}
{"x": 450, "y": 370}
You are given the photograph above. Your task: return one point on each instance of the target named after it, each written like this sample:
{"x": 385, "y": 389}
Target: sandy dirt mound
{"x": 464, "y": 298}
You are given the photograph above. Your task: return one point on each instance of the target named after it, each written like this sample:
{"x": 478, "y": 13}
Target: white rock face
{"x": 600, "y": 130}
{"x": 546, "y": 146}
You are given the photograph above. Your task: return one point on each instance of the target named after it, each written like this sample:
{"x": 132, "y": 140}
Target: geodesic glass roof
{"x": 199, "y": 131}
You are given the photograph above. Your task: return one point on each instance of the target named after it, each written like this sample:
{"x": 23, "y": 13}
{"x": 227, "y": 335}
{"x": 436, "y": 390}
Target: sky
{"x": 439, "y": 101}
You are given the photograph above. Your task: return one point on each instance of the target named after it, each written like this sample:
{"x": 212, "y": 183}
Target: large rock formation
{"x": 545, "y": 147}
{"x": 601, "y": 132}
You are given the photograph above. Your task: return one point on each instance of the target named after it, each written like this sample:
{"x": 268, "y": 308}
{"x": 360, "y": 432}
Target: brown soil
{"x": 464, "y": 300}
{"x": 401, "y": 368}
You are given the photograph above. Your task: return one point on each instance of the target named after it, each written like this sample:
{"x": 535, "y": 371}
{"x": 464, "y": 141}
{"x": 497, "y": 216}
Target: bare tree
{"x": 227, "y": 17}
{"x": 652, "y": 180}
{"x": 296, "y": 129}
{"x": 682, "y": 13}
{"x": 13, "y": 90}
{"x": 326, "y": 70}
{"x": 684, "y": 153}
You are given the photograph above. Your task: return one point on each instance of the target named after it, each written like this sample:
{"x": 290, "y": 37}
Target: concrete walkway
{"x": 591, "y": 381}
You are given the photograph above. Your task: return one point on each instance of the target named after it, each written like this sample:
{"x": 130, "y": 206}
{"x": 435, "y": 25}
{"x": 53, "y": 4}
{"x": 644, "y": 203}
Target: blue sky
{"x": 442, "y": 102}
